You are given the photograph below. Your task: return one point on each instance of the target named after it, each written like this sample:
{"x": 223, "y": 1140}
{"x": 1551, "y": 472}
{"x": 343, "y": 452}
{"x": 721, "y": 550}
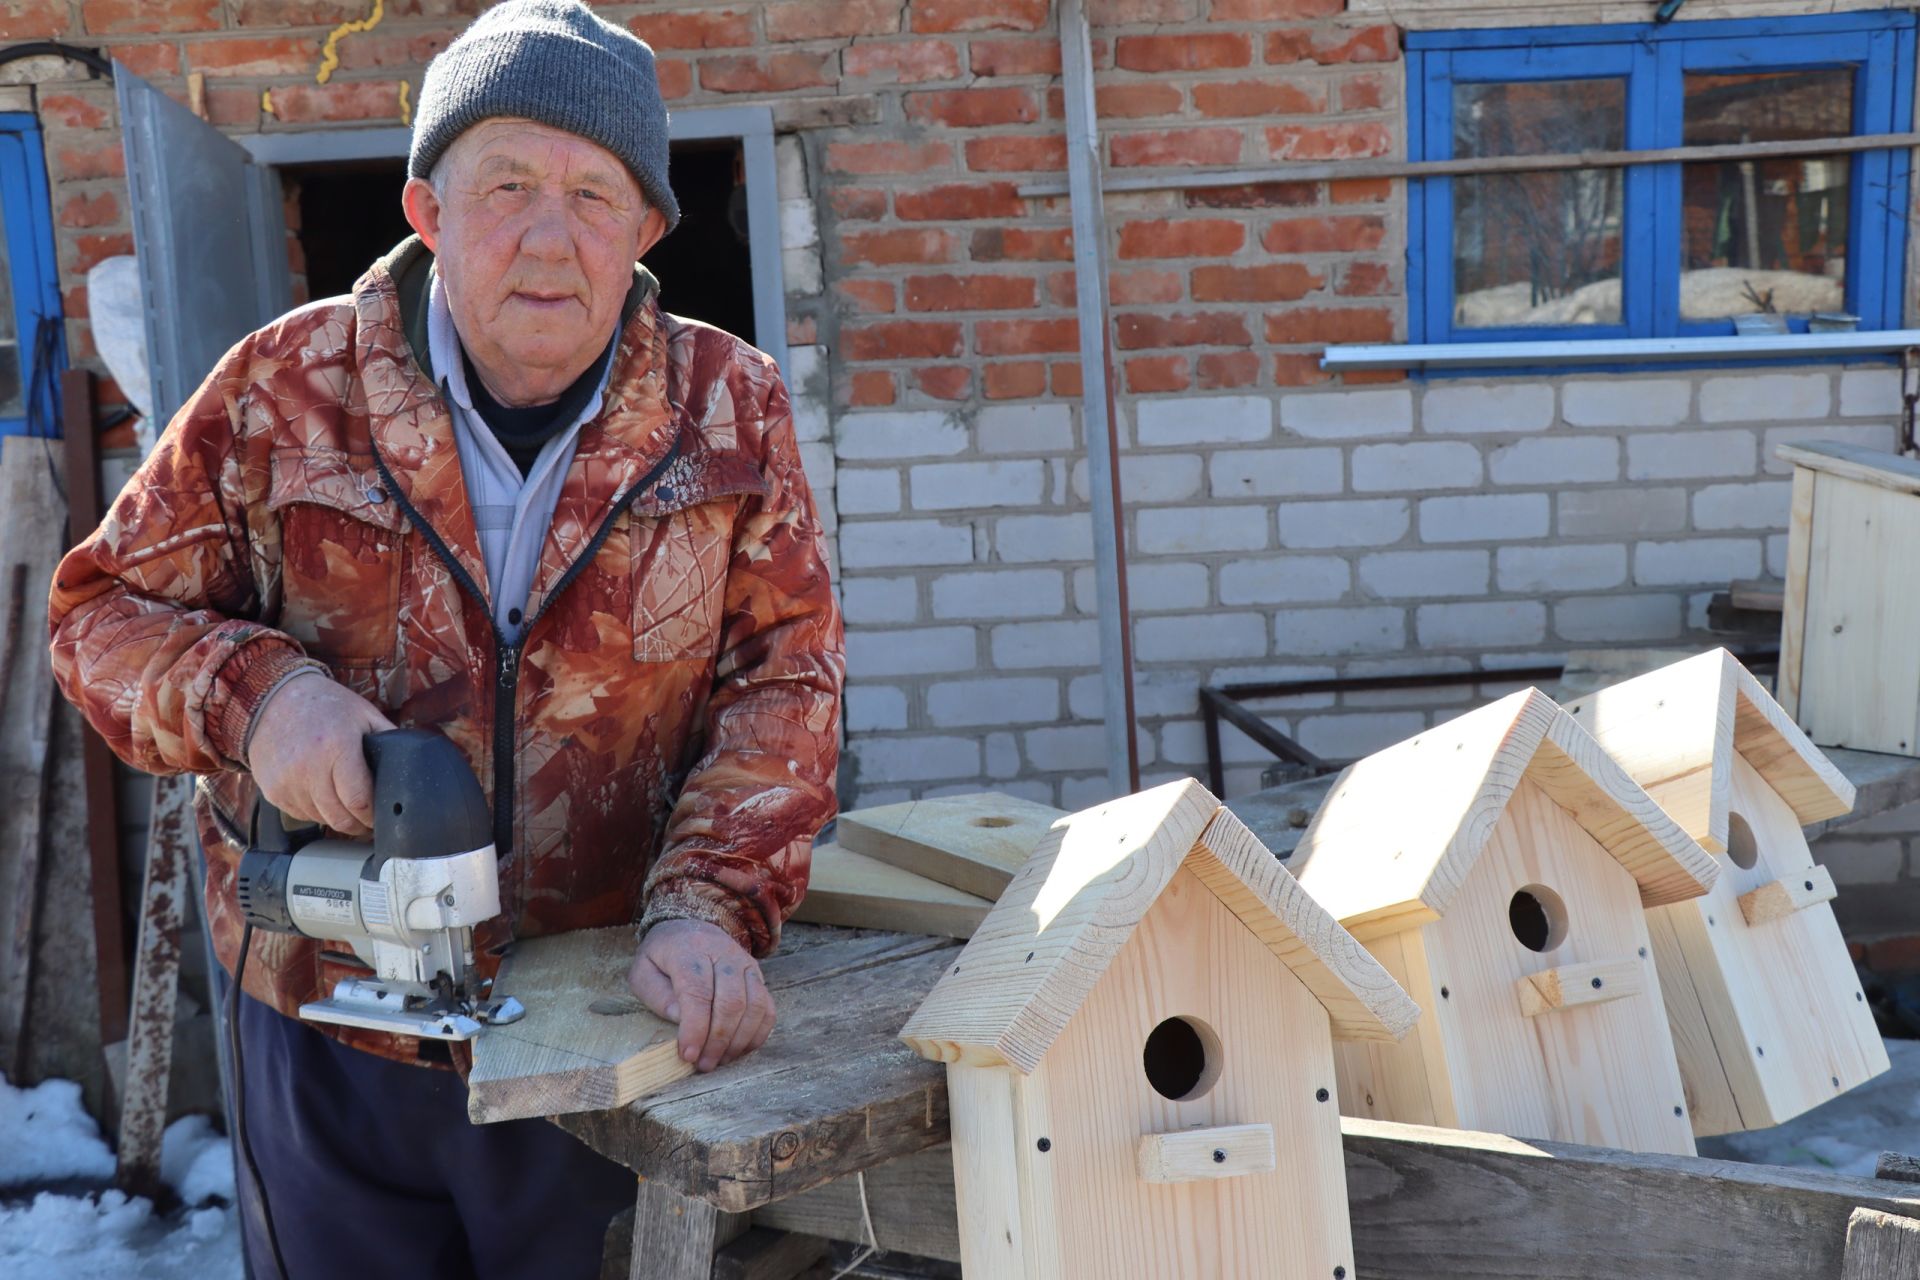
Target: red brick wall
{"x": 922, "y": 119}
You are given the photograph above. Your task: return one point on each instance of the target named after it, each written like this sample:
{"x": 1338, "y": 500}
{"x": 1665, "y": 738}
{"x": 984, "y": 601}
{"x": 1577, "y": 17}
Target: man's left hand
{"x": 693, "y": 973}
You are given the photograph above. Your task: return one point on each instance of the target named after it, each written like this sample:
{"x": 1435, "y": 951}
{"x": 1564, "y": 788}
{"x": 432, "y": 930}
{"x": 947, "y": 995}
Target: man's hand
{"x": 692, "y": 973}
{"x": 305, "y": 753}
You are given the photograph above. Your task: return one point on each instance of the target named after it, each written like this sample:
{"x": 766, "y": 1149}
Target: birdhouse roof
{"x": 1676, "y": 731}
{"x": 1400, "y": 830}
{"x": 1036, "y": 957}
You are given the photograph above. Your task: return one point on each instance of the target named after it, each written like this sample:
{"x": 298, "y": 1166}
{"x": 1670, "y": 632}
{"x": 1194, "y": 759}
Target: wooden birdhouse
{"x": 1767, "y": 1015}
{"x": 1497, "y": 866}
{"x": 1849, "y": 669}
{"x": 1139, "y": 1040}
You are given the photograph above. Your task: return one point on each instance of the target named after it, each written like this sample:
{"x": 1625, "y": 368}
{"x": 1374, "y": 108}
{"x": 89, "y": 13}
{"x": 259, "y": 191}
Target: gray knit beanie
{"x": 556, "y": 62}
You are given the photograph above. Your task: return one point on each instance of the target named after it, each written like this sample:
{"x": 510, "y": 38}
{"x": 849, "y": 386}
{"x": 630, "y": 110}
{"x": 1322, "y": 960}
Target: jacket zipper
{"x": 506, "y": 656}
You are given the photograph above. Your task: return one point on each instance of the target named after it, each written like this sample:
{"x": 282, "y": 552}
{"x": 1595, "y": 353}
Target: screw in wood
{"x": 1676, "y": 1111}
{"x": 1219, "y": 1155}
{"x": 1760, "y": 1050}
{"x": 1045, "y": 1145}
{"x": 1321, "y": 1095}
{"x": 1596, "y": 984}
{"x": 1339, "y": 1273}
{"x": 1445, "y": 994}
{"x": 1810, "y": 883}
{"x": 1643, "y": 953}
{"x": 1029, "y": 959}
{"x": 1836, "y": 1082}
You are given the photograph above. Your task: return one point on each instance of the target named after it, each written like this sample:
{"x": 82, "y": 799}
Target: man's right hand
{"x": 306, "y": 756}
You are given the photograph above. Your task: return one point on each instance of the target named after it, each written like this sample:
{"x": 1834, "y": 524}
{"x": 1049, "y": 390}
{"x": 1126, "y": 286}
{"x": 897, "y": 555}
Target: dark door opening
{"x": 345, "y": 215}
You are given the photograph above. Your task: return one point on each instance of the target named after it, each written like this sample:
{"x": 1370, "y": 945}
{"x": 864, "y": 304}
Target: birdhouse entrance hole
{"x": 1182, "y": 1058}
{"x": 1741, "y": 846}
{"x": 993, "y": 822}
{"x": 1538, "y": 918}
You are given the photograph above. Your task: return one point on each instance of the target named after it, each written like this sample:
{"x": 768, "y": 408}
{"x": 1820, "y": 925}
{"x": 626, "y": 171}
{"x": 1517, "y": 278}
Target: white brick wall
{"x": 1449, "y": 525}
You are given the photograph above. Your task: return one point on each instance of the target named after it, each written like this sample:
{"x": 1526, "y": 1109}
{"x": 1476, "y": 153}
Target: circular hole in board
{"x": 1538, "y": 918}
{"x": 1182, "y": 1058}
{"x": 1742, "y": 848}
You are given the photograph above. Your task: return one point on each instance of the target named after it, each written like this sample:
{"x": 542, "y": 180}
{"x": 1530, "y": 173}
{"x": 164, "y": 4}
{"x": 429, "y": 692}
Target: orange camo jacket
{"x": 664, "y": 743}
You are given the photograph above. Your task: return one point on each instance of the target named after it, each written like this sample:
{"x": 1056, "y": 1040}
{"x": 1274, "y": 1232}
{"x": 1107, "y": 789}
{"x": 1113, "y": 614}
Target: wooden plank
{"x": 1193, "y": 1155}
{"x": 1881, "y": 1246}
{"x": 765, "y": 1254}
{"x": 1783, "y": 897}
{"x": 1765, "y": 595}
{"x": 1439, "y": 1204}
{"x": 1860, "y": 670}
{"x": 973, "y": 843}
{"x": 1571, "y": 986}
{"x": 586, "y": 1042}
{"x": 675, "y": 1237}
{"x": 833, "y": 1090}
{"x": 858, "y": 892}
{"x": 1048, "y": 939}
{"x": 1793, "y": 607}
{"x": 1887, "y": 471}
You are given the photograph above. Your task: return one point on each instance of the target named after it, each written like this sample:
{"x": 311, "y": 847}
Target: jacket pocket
{"x": 342, "y": 543}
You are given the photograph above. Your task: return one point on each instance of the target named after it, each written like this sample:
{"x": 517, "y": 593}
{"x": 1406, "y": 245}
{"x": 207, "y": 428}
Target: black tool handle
{"x": 426, "y": 801}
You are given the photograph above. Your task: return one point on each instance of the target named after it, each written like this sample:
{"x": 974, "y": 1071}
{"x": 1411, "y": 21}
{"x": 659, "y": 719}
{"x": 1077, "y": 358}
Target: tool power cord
{"x": 240, "y": 1101}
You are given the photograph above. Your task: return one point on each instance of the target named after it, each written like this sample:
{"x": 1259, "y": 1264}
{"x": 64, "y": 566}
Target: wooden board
{"x": 832, "y": 1091}
{"x": 974, "y": 843}
{"x": 1400, "y": 831}
{"x": 1793, "y": 601}
{"x": 1859, "y": 670}
{"x": 858, "y": 892}
{"x": 1193, "y": 1155}
{"x": 1888, "y": 471}
{"x": 1438, "y": 1204}
{"x": 1071, "y": 1199}
{"x": 1573, "y": 985}
{"x": 586, "y": 1043}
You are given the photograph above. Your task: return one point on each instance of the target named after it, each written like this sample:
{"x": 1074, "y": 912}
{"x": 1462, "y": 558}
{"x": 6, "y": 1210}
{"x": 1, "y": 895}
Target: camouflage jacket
{"x": 663, "y": 742}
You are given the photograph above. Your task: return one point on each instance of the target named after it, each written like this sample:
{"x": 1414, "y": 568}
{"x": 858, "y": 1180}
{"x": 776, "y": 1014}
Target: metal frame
{"x": 1879, "y": 45}
{"x": 1614, "y": 351}
{"x": 752, "y": 125}
{"x": 35, "y": 276}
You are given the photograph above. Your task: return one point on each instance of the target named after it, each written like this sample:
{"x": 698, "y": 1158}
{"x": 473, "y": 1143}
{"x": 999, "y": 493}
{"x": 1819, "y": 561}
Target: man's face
{"x": 535, "y": 232}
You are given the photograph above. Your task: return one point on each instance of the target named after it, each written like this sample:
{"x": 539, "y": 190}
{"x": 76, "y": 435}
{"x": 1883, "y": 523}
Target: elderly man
{"x": 500, "y": 493}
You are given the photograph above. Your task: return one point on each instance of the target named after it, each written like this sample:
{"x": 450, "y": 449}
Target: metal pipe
{"x": 1322, "y": 171}
{"x": 1096, "y": 397}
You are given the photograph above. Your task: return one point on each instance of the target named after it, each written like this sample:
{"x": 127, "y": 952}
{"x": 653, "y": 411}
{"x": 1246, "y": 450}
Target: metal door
{"x": 209, "y": 235}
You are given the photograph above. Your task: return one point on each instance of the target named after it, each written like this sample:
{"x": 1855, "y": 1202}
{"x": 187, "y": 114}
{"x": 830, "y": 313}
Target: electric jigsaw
{"x": 405, "y": 905}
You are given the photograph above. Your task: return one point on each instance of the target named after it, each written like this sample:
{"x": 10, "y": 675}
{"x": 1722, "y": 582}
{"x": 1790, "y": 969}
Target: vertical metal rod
{"x": 1096, "y": 379}
{"x": 103, "y": 801}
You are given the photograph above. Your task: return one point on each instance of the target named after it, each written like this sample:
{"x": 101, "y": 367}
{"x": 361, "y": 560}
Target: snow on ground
{"x": 79, "y": 1229}
{"x": 1846, "y": 1135}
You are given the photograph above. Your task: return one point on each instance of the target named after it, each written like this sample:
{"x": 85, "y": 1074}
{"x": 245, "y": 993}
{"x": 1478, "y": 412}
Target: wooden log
{"x": 675, "y": 1237}
{"x": 1881, "y": 1246}
{"x": 1895, "y": 1166}
{"x": 586, "y": 1043}
{"x": 1439, "y": 1204}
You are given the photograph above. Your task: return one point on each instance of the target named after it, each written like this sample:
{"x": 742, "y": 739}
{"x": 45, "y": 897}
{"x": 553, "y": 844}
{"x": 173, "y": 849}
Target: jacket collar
{"x": 412, "y": 429}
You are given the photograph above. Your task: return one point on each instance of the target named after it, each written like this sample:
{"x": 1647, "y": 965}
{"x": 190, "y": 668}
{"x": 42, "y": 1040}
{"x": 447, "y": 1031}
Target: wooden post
{"x": 675, "y": 1237}
{"x": 156, "y": 986}
{"x": 1881, "y": 1246}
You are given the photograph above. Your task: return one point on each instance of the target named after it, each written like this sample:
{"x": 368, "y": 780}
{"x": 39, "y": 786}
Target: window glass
{"x": 1538, "y": 248}
{"x": 11, "y": 403}
{"x": 1765, "y": 235}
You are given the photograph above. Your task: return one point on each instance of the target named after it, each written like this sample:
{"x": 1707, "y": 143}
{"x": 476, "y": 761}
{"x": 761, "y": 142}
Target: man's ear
{"x": 652, "y": 231}
{"x": 422, "y": 208}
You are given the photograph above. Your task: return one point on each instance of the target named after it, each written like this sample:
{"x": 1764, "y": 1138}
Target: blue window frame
{"x": 34, "y": 352}
{"x": 1646, "y": 229}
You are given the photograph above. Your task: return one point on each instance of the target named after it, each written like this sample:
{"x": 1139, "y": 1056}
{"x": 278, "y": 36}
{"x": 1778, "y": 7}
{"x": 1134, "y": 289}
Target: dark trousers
{"x": 372, "y": 1170}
